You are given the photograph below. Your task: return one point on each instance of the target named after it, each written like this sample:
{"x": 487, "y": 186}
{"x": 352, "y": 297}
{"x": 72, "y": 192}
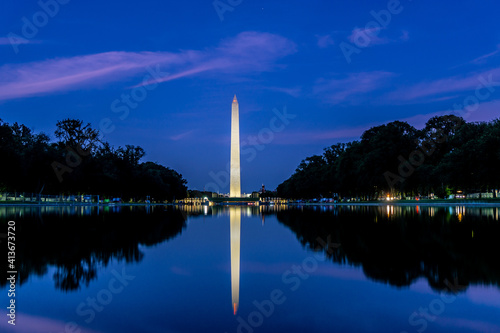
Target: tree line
{"x": 447, "y": 155}
{"x": 80, "y": 162}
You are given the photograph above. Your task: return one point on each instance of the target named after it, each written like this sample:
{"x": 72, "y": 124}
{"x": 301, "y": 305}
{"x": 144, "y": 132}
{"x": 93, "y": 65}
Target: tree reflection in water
{"x": 399, "y": 244}
{"x": 79, "y": 244}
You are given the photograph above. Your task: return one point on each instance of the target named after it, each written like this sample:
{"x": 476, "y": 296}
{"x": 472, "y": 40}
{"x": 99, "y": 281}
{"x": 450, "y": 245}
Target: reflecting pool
{"x": 344, "y": 268}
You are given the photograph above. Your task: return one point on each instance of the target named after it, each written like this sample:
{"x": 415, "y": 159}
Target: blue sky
{"x": 162, "y": 74}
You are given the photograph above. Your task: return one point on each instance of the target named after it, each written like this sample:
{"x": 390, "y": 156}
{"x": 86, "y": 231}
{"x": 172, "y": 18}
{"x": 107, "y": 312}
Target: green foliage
{"x": 446, "y": 155}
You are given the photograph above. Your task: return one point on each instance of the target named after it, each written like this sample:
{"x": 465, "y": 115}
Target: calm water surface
{"x": 265, "y": 269}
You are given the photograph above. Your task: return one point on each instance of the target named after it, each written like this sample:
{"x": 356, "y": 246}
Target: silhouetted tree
{"x": 80, "y": 162}
{"x": 447, "y": 154}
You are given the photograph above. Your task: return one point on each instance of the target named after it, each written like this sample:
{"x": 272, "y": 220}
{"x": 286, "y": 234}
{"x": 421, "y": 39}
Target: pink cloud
{"x": 475, "y": 325}
{"x": 487, "y": 295}
{"x": 294, "y": 92}
{"x": 307, "y": 137}
{"x": 482, "y": 59}
{"x": 299, "y": 137}
{"x": 444, "y": 98}
{"x": 325, "y": 41}
{"x": 63, "y": 74}
{"x": 351, "y": 88}
{"x": 405, "y": 35}
{"x": 437, "y": 88}
{"x": 17, "y": 41}
{"x": 251, "y": 45}
{"x": 246, "y": 53}
{"x": 181, "y": 136}
{"x": 418, "y": 121}
{"x": 485, "y": 111}
{"x": 26, "y": 323}
{"x": 363, "y": 37}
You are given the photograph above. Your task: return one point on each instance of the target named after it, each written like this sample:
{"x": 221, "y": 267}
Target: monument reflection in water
{"x": 235, "y": 230}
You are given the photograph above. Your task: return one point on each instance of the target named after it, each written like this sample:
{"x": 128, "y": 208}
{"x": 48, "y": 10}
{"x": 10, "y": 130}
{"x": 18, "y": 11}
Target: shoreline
{"x": 473, "y": 204}
{"x": 81, "y": 204}
{"x": 310, "y": 204}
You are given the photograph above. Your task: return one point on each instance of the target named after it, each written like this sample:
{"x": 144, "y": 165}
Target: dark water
{"x": 321, "y": 269}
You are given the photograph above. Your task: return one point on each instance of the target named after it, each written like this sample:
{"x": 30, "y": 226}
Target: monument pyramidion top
{"x": 235, "y": 100}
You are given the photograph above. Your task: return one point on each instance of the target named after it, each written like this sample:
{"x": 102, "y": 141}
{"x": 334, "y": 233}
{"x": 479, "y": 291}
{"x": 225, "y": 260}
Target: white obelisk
{"x": 235, "y": 226}
{"x": 234, "y": 183}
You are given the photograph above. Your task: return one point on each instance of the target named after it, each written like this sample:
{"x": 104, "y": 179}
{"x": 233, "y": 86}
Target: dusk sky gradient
{"x": 428, "y": 58}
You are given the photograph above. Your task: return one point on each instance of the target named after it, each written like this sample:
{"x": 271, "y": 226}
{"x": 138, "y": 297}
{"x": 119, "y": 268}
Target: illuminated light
{"x": 432, "y": 211}
{"x": 235, "y": 226}
{"x": 234, "y": 175}
{"x": 472, "y": 233}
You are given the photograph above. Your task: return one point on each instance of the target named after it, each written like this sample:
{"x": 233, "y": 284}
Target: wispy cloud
{"x": 17, "y": 41}
{"x": 325, "y": 41}
{"x": 441, "y": 87}
{"x": 351, "y": 88}
{"x": 249, "y": 52}
{"x": 294, "y": 92}
{"x": 345, "y": 134}
{"x": 484, "y": 295}
{"x": 181, "y": 136}
{"x": 485, "y": 111}
{"x": 405, "y": 35}
{"x": 482, "y": 59}
{"x": 26, "y": 323}
{"x": 363, "y": 37}
{"x": 471, "y": 324}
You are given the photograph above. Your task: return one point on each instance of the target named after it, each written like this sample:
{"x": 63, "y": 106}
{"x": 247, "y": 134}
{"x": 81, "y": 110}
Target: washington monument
{"x": 234, "y": 184}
